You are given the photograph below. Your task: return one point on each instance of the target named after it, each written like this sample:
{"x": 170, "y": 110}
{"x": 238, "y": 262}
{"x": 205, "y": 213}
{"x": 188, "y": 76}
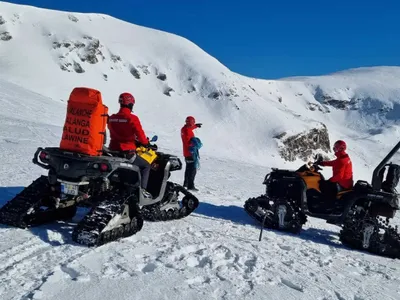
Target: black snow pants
{"x": 329, "y": 189}
{"x": 190, "y": 173}
{"x": 144, "y": 170}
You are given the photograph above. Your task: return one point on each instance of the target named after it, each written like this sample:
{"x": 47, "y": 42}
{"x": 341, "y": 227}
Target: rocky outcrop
{"x": 145, "y": 69}
{"x": 168, "y": 90}
{"x": 191, "y": 89}
{"x": 78, "y": 68}
{"x": 92, "y": 51}
{"x": 87, "y": 50}
{"x": 65, "y": 66}
{"x": 2, "y": 21}
{"x": 70, "y": 45}
{"x": 135, "y": 73}
{"x": 314, "y": 107}
{"x": 215, "y": 95}
{"x": 342, "y": 104}
{"x": 304, "y": 144}
{"x": 162, "y": 76}
{"x": 5, "y": 36}
{"x": 115, "y": 58}
{"x": 73, "y": 18}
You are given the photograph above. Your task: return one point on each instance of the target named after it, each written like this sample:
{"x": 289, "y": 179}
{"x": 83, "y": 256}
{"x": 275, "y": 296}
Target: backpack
{"x": 147, "y": 154}
{"x": 196, "y": 144}
{"x": 85, "y": 122}
{"x": 392, "y": 178}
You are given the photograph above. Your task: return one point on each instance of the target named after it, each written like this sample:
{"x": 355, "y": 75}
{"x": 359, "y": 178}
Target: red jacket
{"x": 342, "y": 169}
{"x": 125, "y": 129}
{"x": 186, "y": 135}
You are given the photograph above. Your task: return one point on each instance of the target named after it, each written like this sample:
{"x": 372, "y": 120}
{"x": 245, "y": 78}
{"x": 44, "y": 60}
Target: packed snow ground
{"x": 212, "y": 254}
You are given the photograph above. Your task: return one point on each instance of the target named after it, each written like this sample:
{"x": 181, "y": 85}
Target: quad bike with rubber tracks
{"x": 109, "y": 185}
{"x": 363, "y": 212}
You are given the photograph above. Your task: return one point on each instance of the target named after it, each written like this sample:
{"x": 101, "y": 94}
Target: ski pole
{"x": 262, "y": 227}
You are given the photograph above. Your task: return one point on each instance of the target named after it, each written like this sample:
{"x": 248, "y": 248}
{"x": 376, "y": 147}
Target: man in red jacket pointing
{"x": 125, "y": 129}
{"x": 186, "y": 135}
{"x": 342, "y": 169}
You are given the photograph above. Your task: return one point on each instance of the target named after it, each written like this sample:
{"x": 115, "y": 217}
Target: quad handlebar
{"x": 148, "y": 145}
{"x": 315, "y": 164}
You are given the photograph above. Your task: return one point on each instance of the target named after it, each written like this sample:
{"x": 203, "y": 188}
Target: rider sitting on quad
{"x": 125, "y": 129}
{"x": 342, "y": 169}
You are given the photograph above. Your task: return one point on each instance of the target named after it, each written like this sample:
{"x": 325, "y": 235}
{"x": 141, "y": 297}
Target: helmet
{"x": 339, "y": 146}
{"x": 126, "y": 99}
{"x": 190, "y": 121}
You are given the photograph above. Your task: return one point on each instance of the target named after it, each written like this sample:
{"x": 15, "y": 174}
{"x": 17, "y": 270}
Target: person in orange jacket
{"x": 186, "y": 135}
{"x": 342, "y": 169}
{"x": 125, "y": 130}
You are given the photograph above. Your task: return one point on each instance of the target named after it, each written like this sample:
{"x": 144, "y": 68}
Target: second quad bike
{"x": 109, "y": 184}
{"x": 363, "y": 211}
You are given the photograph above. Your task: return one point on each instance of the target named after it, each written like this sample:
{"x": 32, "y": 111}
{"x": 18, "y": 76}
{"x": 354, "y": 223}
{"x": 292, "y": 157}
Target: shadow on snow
{"x": 50, "y": 233}
{"x": 231, "y": 213}
{"x": 237, "y": 214}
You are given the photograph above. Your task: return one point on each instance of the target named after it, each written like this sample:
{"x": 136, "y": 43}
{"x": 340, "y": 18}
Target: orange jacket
{"x": 125, "y": 129}
{"x": 342, "y": 169}
{"x": 186, "y": 135}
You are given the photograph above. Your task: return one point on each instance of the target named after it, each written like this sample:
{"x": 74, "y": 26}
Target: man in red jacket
{"x": 186, "y": 135}
{"x": 342, "y": 169}
{"x": 125, "y": 129}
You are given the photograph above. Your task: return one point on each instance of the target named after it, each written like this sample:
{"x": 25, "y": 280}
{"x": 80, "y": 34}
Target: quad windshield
{"x": 392, "y": 157}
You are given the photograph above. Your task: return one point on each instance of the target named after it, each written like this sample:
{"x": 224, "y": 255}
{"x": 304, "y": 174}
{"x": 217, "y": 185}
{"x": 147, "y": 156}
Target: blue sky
{"x": 268, "y": 39}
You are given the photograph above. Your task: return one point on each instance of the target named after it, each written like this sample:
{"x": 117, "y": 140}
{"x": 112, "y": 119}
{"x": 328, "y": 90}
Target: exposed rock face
{"x": 78, "y": 68}
{"x": 215, "y": 95}
{"x": 145, "y": 69}
{"x": 162, "y": 76}
{"x": 342, "y": 104}
{"x": 115, "y": 58}
{"x": 134, "y": 72}
{"x": 65, "y": 66}
{"x": 191, "y": 89}
{"x": 2, "y": 21}
{"x": 73, "y": 18}
{"x": 366, "y": 104}
{"x": 168, "y": 90}
{"x": 87, "y": 51}
{"x": 91, "y": 51}
{"x": 231, "y": 92}
{"x": 303, "y": 145}
{"x": 319, "y": 107}
{"x": 5, "y": 36}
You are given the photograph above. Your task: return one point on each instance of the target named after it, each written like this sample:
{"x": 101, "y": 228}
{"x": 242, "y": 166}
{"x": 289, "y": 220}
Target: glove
{"x": 154, "y": 147}
{"x": 318, "y": 158}
{"x": 198, "y": 125}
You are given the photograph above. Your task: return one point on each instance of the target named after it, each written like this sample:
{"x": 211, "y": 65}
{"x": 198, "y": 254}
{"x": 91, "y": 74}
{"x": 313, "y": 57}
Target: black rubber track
{"x": 153, "y": 213}
{"x": 26, "y": 208}
{"x": 89, "y": 231}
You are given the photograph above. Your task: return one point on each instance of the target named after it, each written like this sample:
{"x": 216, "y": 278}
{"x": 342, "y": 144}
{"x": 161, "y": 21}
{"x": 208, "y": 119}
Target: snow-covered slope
{"x": 214, "y": 254}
